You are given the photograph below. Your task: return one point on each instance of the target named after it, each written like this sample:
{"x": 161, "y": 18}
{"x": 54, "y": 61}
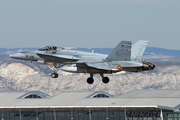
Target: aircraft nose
{"x": 16, "y": 56}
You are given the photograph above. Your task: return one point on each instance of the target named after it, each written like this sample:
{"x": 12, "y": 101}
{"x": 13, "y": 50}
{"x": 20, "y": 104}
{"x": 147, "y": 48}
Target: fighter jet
{"x": 124, "y": 57}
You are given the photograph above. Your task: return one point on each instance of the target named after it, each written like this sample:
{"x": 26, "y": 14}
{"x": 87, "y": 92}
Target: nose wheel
{"x": 55, "y": 67}
{"x": 54, "y": 75}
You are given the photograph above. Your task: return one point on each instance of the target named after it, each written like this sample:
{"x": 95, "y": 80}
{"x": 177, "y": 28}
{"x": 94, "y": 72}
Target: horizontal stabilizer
{"x": 122, "y": 52}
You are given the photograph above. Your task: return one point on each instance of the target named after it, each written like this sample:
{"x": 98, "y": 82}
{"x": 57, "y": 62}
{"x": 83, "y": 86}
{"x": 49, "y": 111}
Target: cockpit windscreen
{"x": 48, "y": 48}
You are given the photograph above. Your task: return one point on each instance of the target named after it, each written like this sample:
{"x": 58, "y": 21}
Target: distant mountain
{"x": 161, "y": 51}
{"x": 8, "y": 51}
{"x": 149, "y": 51}
{"x": 16, "y": 76}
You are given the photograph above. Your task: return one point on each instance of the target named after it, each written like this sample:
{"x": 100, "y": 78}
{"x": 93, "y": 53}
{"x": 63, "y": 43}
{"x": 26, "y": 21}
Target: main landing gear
{"x": 90, "y": 80}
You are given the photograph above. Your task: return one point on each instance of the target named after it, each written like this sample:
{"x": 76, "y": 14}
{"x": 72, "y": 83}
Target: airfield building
{"x": 135, "y": 105}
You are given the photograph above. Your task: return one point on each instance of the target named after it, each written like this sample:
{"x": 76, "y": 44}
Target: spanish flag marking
{"x": 119, "y": 67}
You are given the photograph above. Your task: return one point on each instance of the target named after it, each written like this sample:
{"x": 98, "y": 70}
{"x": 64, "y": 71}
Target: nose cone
{"x": 17, "y": 56}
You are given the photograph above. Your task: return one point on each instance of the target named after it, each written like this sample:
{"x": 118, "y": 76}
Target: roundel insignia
{"x": 119, "y": 67}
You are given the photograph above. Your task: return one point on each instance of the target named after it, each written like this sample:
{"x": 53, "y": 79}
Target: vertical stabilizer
{"x": 122, "y": 52}
{"x": 138, "y": 50}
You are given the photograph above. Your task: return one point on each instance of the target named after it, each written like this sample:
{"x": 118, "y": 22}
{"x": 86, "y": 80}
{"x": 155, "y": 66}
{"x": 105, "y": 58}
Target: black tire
{"x": 54, "y": 75}
{"x": 105, "y": 80}
{"x": 90, "y": 80}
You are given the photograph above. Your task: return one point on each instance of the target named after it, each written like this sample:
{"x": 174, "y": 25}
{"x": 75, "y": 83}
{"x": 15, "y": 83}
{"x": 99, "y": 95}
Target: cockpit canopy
{"x": 50, "y": 48}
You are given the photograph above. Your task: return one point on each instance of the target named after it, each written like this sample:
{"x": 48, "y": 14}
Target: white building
{"x": 135, "y": 105}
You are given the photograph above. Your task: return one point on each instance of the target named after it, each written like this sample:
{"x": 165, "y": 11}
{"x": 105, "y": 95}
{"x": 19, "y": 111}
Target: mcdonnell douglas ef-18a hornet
{"x": 123, "y": 58}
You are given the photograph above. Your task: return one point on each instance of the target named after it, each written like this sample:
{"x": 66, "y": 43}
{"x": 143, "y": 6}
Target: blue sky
{"x": 89, "y": 23}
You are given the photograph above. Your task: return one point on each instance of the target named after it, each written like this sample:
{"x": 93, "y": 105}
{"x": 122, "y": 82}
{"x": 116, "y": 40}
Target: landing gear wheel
{"x": 105, "y": 80}
{"x": 54, "y": 75}
{"x": 90, "y": 80}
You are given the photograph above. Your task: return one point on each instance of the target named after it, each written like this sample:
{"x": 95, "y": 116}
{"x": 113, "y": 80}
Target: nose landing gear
{"x": 54, "y": 75}
{"x": 55, "y": 67}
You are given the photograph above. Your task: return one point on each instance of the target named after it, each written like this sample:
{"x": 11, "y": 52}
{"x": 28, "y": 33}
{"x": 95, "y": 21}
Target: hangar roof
{"x": 152, "y": 94}
{"x": 162, "y": 99}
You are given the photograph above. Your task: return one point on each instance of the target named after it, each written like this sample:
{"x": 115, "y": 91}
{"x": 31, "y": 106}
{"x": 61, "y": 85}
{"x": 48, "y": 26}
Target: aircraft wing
{"x": 90, "y": 63}
{"x": 98, "y": 65}
{"x": 57, "y": 58}
{"x": 83, "y": 61}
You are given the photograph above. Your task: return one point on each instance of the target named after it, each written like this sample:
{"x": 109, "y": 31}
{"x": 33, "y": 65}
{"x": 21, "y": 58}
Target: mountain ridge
{"x": 17, "y": 75}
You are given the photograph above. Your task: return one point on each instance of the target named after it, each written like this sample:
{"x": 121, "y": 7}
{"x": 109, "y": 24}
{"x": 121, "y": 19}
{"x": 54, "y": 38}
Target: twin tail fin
{"x": 122, "y": 52}
{"x": 138, "y": 50}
